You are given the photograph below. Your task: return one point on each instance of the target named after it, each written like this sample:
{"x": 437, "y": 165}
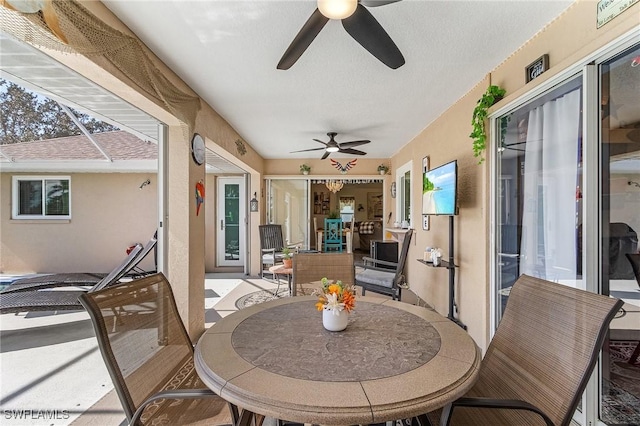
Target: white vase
{"x": 305, "y": 172}
{"x": 334, "y": 321}
{"x": 382, "y": 172}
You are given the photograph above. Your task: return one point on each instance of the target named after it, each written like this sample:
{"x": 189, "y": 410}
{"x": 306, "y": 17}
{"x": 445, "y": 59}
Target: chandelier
{"x": 334, "y": 185}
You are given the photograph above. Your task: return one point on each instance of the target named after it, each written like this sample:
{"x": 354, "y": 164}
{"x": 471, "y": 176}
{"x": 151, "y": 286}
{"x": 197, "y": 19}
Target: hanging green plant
{"x": 479, "y": 135}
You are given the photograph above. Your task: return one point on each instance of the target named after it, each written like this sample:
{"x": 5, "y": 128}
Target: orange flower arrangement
{"x": 335, "y": 296}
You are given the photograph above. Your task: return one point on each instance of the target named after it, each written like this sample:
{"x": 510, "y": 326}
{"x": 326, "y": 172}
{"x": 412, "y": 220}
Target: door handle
{"x": 222, "y": 225}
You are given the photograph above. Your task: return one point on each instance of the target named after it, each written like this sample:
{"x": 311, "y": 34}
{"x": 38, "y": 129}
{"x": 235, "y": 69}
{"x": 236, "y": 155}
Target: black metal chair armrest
{"x": 171, "y": 394}
{"x": 508, "y": 404}
{"x": 368, "y": 260}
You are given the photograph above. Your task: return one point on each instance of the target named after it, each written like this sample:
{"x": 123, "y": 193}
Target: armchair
{"x": 381, "y": 280}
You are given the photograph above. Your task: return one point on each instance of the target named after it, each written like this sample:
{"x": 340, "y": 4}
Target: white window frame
{"x": 400, "y": 172}
{"x": 15, "y": 198}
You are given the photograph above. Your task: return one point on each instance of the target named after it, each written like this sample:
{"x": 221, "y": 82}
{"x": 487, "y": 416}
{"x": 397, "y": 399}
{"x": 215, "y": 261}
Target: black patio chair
{"x": 271, "y": 245}
{"x": 385, "y": 281}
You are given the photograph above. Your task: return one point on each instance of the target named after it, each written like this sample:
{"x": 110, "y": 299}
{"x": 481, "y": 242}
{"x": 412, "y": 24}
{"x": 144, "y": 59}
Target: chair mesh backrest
{"x": 404, "y": 252}
{"x": 142, "y": 339}
{"x": 546, "y": 346}
{"x": 271, "y": 237}
{"x": 311, "y": 267}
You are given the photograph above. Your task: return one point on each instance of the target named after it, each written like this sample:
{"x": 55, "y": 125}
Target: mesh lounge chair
{"x": 83, "y": 279}
{"x": 149, "y": 355}
{"x": 62, "y": 300}
{"x": 540, "y": 359}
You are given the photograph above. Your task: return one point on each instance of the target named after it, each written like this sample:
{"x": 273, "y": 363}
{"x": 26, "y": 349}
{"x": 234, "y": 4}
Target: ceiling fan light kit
{"x": 359, "y": 24}
{"x": 337, "y": 9}
{"x": 333, "y": 146}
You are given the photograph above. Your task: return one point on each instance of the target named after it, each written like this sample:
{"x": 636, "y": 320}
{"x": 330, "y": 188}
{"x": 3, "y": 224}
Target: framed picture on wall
{"x": 425, "y": 169}
{"x": 374, "y": 205}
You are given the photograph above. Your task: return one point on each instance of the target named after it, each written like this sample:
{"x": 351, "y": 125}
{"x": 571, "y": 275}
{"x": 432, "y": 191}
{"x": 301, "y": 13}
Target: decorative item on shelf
{"x": 336, "y": 300}
{"x": 436, "y": 256}
{"x": 334, "y": 185}
{"x": 305, "y": 169}
{"x": 199, "y": 196}
{"x": 480, "y": 112}
{"x": 253, "y": 204}
{"x": 383, "y": 169}
{"x": 286, "y": 257}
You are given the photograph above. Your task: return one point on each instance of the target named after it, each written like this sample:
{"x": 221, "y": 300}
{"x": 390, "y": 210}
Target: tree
{"x": 25, "y": 116}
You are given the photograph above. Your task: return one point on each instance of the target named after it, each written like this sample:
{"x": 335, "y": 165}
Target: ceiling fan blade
{"x": 353, "y": 143}
{"x": 376, "y": 3}
{"x": 318, "y": 140}
{"x": 305, "y": 150}
{"x": 367, "y": 31}
{"x": 351, "y": 151}
{"x": 326, "y": 154}
{"x": 305, "y": 36}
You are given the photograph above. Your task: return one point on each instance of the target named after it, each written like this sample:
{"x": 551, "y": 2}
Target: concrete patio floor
{"x": 53, "y": 372}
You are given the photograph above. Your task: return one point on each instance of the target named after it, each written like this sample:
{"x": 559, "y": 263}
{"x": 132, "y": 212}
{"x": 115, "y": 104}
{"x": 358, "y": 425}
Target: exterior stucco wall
{"x": 109, "y": 213}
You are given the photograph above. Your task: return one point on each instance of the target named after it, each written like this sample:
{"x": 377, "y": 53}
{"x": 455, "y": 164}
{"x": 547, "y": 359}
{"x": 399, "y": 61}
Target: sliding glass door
{"x": 619, "y": 214}
{"x": 567, "y": 209}
{"x": 539, "y": 187}
{"x": 289, "y": 206}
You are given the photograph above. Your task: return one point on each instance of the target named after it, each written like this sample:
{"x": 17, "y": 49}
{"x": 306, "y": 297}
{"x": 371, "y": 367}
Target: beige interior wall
{"x": 100, "y": 204}
{"x": 364, "y": 166}
{"x": 445, "y": 140}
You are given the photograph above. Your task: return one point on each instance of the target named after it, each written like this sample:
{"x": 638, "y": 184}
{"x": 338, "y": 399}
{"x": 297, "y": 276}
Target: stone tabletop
{"x": 393, "y": 361}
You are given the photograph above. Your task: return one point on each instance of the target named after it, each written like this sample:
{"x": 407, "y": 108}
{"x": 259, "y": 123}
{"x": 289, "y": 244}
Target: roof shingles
{"x": 119, "y": 145}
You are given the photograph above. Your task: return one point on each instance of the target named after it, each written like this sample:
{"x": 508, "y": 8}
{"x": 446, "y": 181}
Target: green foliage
{"x": 26, "y": 117}
{"x": 427, "y": 185}
{"x": 383, "y": 168}
{"x": 305, "y": 168}
{"x": 334, "y": 215}
{"x": 480, "y": 112}
{"x": 286, "y": 253}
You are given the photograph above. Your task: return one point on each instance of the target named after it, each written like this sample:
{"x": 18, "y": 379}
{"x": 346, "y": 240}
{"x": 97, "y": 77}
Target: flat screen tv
{"x": 439, "y": 190}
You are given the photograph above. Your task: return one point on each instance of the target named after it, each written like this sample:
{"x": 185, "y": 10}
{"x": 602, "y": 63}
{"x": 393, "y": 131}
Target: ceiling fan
{"x": 358, "y": 22}
{"x": 333, "y": 146}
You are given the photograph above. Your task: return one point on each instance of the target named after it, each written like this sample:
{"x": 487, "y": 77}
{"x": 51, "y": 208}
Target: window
{"x": 403, "y": 201}
{"x": 41, "y": 197}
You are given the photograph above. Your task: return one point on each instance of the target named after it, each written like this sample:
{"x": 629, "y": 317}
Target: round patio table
{"x": 394, "y": 361}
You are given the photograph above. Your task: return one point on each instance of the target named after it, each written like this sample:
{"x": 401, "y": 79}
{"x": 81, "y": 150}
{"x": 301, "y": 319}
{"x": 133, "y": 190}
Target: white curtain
{"x": 548, "y": 246}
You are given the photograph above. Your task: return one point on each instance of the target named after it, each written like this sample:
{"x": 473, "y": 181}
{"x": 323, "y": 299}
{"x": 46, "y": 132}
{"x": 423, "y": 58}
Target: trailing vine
{"x": 479, "y": 135}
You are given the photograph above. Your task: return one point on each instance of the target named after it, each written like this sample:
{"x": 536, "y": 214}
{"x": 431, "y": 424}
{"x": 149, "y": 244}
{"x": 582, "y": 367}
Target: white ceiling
{"x": 227, "y": 52}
